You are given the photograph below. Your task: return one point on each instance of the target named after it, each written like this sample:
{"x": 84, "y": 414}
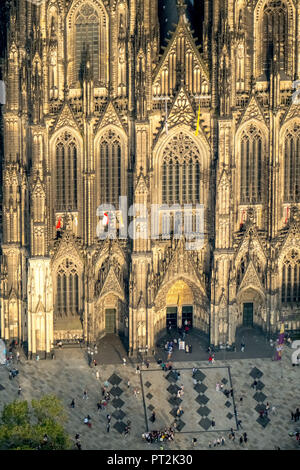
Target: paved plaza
{"x": 68, "y": 375}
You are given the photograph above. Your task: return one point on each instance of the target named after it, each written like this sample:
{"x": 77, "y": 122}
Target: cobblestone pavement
{"x": 68, "y": 375}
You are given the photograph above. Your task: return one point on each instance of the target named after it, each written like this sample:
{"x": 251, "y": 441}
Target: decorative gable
{"x": 111, "y": 284}
{"x": 110, "y": 116}
{"x": 180, "y": 50}
{"x": 251, "y": 278}
{"x": 65, "y": 118}
{"x": 292, "y": 111}
{"x": 182, "y": 110}
{"x": 252, "y": 111}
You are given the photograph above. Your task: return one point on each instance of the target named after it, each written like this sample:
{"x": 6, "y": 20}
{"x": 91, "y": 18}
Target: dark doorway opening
{"x": 248, "y": 314}
{"x": 110, "y": 320}
{"x": 187, "y": 316}
{"x": 171, "y": 317}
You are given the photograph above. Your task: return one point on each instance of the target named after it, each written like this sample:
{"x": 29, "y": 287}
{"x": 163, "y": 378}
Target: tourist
{"x": 78, "y": 445}
{"x": 85, "y": 395}
{"x": 18, "y": 356}
{"x": 107, "y": 427}
{"x": 153, "y": 417}
{"x": 267, "y": 409}
{"x": 245, "y": 437}
{"x": 138, "y": 371}
{"x": 218, "y": 387}
{"x": 209, "y": 445}
{"x": 97, "y": 375}
{"x": 213, "y": 423}
{"x": 241, "y": 400}
{"x": 72, "y": 403}
{"x": 297, "y": 414}
{"x": 124, "y": 361}
{"x": 128, "y": 383}
{"x": 19, "y": 390}
{"x": 222, "y": 441}
{"x": 194, "y": 441}
{"x": 108, "y": 417}
{"x": 239, "y": 424}
{"x": 241, "y": 440}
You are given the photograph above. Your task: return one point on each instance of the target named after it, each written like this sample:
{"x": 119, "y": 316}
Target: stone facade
{"x": 95, "y": 112}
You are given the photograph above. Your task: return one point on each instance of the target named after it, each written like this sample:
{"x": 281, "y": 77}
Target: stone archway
{"x": 180, "y": 301}
{"x": 109, "y": 316}
{"x": 252, "y": 311}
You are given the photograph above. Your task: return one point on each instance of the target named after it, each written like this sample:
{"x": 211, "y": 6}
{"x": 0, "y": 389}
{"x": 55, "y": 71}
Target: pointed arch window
{"x": 274, "y": 35}
{"x": 181, "y": 176}
{"x": 67, "y": 290}
{"x": 290, "y": 291}
{"x": 66, "y": 173}
{"x": 110, "y": 168}
{"x": 292, "y": 165}
{"x": 251, "y": 167}
{"x": 91, "y": 41}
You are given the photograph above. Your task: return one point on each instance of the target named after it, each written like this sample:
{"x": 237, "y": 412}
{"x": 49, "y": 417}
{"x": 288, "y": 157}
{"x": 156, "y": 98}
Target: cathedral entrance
{"x": 248, "y": 314}
{"x": 187, "y": 316}
{"x": 171, "y": 317}
{"x": 110, "y": 320}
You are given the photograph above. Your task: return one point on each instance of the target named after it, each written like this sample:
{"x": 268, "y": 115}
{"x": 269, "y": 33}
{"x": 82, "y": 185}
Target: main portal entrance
{"x": 248, "y": 314}
{"x": 110, "y": 320}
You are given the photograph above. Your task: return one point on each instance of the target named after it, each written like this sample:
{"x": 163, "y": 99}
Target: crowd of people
{"x": 159, "y": 436}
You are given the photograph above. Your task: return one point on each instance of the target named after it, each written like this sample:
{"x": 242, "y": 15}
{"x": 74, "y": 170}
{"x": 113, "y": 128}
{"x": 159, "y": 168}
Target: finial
{"x": 181, "y": 7}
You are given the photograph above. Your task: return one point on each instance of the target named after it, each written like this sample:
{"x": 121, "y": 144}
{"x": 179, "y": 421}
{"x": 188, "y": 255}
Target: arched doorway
{"x": 252, "y": 309}
{"x": 179, "y": 305}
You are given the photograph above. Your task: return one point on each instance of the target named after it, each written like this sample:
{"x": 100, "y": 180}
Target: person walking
{"x": 18, "y": 357}
{"x": 128, "y": 383}
{"x": 108, "y": 417}
{"x": 97, "y": 375}
{"x": 72, "y": 405}
{"x": 239, "y": 424}
{"x": 78, "y": 445}
{"x": 107, "y": 427}
{"x": 138, "y": 371}
{"x": 241, "y": 440}
{"x": 153, "y": 417}
{"x": 213, "y": 423}
{"x": 124, "y": 361}
{"x": 222, "y": 441}
{"x": 85, "y": 395}
{"x": 194, "y": 441}
{"x": 19, "y": 390}
{"x": 297, "y": 414}
{"x": 245, "y": 437}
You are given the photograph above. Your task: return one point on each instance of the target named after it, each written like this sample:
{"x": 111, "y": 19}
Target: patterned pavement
{"x": 68, "y": 375}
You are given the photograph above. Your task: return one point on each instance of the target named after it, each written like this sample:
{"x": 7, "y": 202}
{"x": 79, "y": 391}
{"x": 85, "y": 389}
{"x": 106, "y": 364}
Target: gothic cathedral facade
{"x": 96, "y": 110}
